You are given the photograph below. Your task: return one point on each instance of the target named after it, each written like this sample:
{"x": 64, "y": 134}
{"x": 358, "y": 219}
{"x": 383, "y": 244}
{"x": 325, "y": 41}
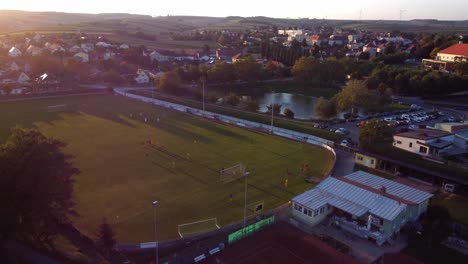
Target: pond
{"x": 301, "y": 105}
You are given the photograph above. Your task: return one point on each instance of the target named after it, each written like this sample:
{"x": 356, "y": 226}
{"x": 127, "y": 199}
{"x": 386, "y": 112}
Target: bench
{"x": 199, "y": 258}
{"x": 214, "y": 250}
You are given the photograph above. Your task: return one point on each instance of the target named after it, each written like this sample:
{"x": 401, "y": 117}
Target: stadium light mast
{"x": 155, "y": 204}
{"x": 272, "y": 110}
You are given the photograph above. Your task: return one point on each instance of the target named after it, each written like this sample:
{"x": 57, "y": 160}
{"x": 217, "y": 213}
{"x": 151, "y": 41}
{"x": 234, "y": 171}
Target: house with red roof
{"x": 455, "y": 53}
{"x": 447, "y": 57}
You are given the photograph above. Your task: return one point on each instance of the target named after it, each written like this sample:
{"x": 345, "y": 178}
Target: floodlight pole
{"x": 245, "y": 198}
{"x": 272, "y": 110}
{"x": 203, "y": 81}
{"x": 155, "y": 204}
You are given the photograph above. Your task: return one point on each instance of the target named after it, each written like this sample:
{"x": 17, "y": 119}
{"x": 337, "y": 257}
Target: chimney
{"x": 383, "y": 190}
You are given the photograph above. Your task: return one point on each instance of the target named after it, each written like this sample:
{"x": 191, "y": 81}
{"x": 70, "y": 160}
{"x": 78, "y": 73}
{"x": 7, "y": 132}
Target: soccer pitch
{"x": 126, "y": 163}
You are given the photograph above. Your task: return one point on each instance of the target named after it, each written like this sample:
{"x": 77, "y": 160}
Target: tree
{"x": 304, "y": 69}
{"x": 222, "y": 72}
{"x": 288, "y": 113}
{"x": 106, "y": 239}
{"x": 35, "y": 186}
{"x": 434, "y": 52}
{"x": 252, "y": 106}
{"x": 276, "y": 109}
{"x": 170, "y": 83}
{"x": 354, "y": 94}
{"x": 325, "y": 109}
{"x": 248, "y": 69}
{"x": 372, "y": 132}
{"x": 232, "y": 99}
{"x": 112, "y": 77}
{"x": 461, "y": 68}
{"x": 206, "y": 48}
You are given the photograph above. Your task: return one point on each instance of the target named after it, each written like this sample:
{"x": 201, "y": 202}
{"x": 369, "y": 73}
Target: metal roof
{"x": 391, "y": 187}
{"x": 349, "y": 198}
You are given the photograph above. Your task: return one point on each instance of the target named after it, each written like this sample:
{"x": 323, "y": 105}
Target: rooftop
{"x": 424, "y": 134}
{"x": 457, "y": 49}
{"x": 349, "y": 198}
{"x": 391, "y": 187}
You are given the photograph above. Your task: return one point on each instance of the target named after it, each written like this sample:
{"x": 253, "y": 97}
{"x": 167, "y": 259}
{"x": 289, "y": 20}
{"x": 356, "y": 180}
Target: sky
{"x": 331, "y": 9}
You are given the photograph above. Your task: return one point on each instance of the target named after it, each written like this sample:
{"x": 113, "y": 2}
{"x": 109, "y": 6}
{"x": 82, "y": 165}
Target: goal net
{"x": 198, "y": 227}
{"x": 233, "y": 173}
{"x": 57, "y": 108}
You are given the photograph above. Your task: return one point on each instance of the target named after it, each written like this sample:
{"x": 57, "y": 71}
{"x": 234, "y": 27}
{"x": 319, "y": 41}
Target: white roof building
{"x": 386, "y": 206}
{"x": 14, "y": 52}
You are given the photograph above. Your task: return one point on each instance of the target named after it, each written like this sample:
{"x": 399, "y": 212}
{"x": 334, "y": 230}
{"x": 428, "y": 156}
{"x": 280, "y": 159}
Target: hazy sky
{"x": 339, "y": 9}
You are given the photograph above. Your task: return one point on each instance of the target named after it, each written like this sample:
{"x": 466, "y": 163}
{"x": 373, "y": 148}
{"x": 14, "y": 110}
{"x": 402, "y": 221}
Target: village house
{"x": 366, "y": 205}
{"x": 14, "y": 52}
{"x": 81, "y": 57}
{"x": 14, "y": 67}
{"x": 124, "y": 47}
{"x": 424, "y": 142}
{"x": 337, "y": 40}
{"x": 142, "y": 77}
{"x": 37, "y": 37}
{"x": 315, "y": 40}
{"x": 34, "y": 51}
{"x": 23, "y": 78}
{"x": 226, "y": 54}
{"x": 74, "y": 49}
{"x": 160, "y": 56}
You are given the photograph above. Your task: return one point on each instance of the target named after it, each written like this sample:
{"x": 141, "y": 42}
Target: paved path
{"x": 344, "y": 163}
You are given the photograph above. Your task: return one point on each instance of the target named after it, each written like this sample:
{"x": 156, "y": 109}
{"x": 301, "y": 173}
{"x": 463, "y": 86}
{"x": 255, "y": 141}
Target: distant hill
{"x": 14, "y": 21}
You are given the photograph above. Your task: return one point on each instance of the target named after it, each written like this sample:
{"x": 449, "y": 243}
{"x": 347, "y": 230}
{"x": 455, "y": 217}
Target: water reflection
{"x": 301, "y": 105}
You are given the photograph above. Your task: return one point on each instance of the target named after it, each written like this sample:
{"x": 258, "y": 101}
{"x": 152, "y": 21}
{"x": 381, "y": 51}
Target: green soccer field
{"x": 121, "y": 173}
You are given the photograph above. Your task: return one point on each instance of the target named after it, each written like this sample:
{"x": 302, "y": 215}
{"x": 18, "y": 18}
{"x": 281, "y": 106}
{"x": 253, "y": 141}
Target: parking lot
{"x": 417, "y": 117}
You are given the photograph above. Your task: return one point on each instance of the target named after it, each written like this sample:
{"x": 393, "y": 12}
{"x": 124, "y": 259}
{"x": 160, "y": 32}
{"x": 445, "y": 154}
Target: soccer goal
{"x": 198, "y": 227}
{"x": 57, "y": 108}
{"x": 233, "y": 173}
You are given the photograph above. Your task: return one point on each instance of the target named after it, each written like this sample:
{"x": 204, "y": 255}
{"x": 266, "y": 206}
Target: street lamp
{"x": 155, "y": 204}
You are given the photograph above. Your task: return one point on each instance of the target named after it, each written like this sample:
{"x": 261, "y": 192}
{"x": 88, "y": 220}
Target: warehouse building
{"x": 364, "y": 204}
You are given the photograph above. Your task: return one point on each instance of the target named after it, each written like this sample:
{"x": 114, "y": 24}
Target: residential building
{"x": 142, "y": 77}
{"x": 23, "y": 78}
{"x": 354, "y": 38}
{"x": 14, "y": 67}
{"x": 37, "y": 37}
{"x": 315, "y": 40}
{"x": 33, "y": 50}
{"x": 14, "y": 52}
{"x": 365, "y": 160}
{"x": 364, "y": 204}
{"x": 81, "y": 57}
{"x": 336, "y": 40}
{"x": 160, "y": 56}
{"x": 290, "y": 32}
{"x": 124, "y": 46}
{"x": 424, "y": 142}
{"x": 226, "y": 54}
{"x": 46, "y": 83}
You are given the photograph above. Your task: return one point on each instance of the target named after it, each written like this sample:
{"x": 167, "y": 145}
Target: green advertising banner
{"x": 248, "y": 230}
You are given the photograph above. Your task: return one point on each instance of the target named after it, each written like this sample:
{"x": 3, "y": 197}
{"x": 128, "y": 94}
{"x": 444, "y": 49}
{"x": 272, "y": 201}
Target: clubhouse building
{"x": 363, "y": 204}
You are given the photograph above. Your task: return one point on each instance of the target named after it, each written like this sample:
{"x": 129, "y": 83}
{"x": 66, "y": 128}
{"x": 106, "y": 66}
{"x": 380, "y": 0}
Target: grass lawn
{"x": 121, "y": 174}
